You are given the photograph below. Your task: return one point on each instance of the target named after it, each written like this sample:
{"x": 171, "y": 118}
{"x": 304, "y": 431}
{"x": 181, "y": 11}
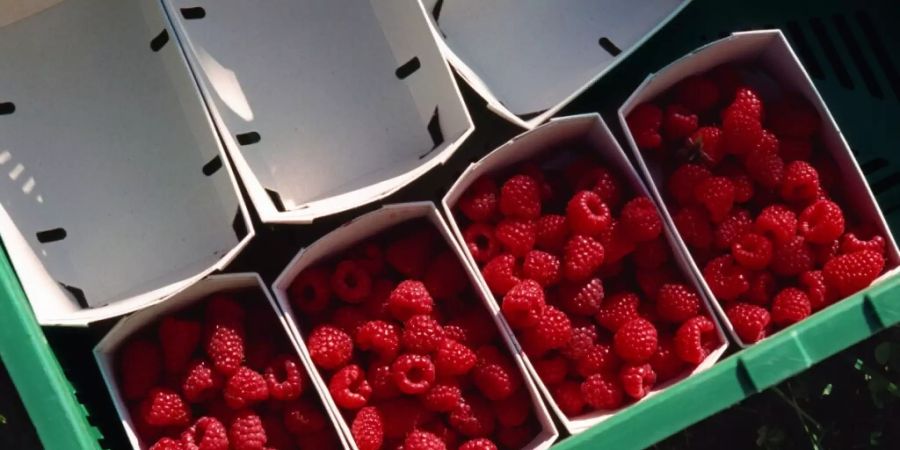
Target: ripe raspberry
{"x": 454, "y": 358}
{"x": 448, "y": 435}
{"x": 725, "y": 278}
{"x": 478, "y": 444}
{"x": 676, "y": 303}
{"x": 413, "y": 374}
{"x": 597, "y": 358}
{"x": 277, "y": 436}
{"x": 616, "y": 243}
{"x": 752, "y": 251}
{"x": 445, "y": 277}
{"x": 551, "y": 370}
{"x": 520, "y": 197}
{"x": 640, "y": 219}
{"x": 748, "y": 101}
{"x": 820, "y": 294}
{"x": 602, "y": 182}
{"x": 370, "y": 256}
{"x": 409, "y": 298}
{"x": 376, "y": 306}
{"x": 502, "y": 273}
{"x": 801, "y": 182}
{"x": 678, "y": 123}
{"x": 741, "y": 128}
{"x": 795, "y": 149}
{"x": 402, "y": 415}
{"x": 582, "y": 256}
{"x": 584, "y": 336}
{"x": 329, "y": 347}
{"x": 822, "y": 222}
{"x": 695, "y": 339}
{"x": 582, "y": 299}
{"x": 479, "y": 202}
{"x": 324, "y": 440}
{"x": 542, "y": 267}
{"x": 552, "y": 232}
{"x": 568, "y": 397}
{"x": 697, "y": 93}
{"x": 683, "y": 181}
{"x": 743, "y": 187}
{"x": 206, "y": 434}
{"x": 477, "y": 326}
{"x": 602, "y": 391}
{"x": 421, "y": 334}
{"x": 644, "y": 122}
{"x": 730, "y": 229}
{"x": 794, "y": 117}
{"x": 423, "y": 440}
{"x": 776, "y": 222}
{"x": 178, "y": 339}
{"x": 637, "y": 380}
{"x": 716, "y": 194}
{"x": 200, "y": 382}
{"x": 765, "y": 167}
{"x": 380, "y": 337}
{"x": 367, "y": 429}
{"x": 513, "y": 410}
{"x": 285, "y": 378}
{"x": 481, "y": 242}
{"x": 349, "y": 387}
{"x": 303, "y": 417}
{"x": 381, "y": 381}
{"x": 246, "y": 431}
{"x": 587, "y": 214}
{"x": 167, "y": 443}
{"x": 310, "y": 292}
{"x": 524, "y": 304}
{"x": 244, "y": 388}
{"x": 850, "y": 243}
{"x": 473, "y": 417}
{"x": 728, "y": 79}
{"x": 694, "y": 226}
{"x": 651, "y": 254}
{"x": 710, "y": 144}
{"x": 635, "y": 341}
{"x": 665, "y": 362}
{"x": 650, "y": 280}
{"x": 224, "y": 344}
{"x": 442, "y": 397}
{"x": 792, "y": 258}
{"x": 852, "y": 272}
{"x": 140, "y": 366}
{"x": 618, "y": 309}
{"x": 750, "y": 322}
{"x": 790, "y": 306}
{"x": 410, "y": 253}
{"x": 495, "y": 374}
{"x": 349, "y": 319}
{"x": 351, "y": 282}
{"x": 164, "y": 407}
{"x": 762, "y": 288}
{"x": 221, "y": 308}
{"x": 517, "y": 236}
{"x": 552, "y": 331}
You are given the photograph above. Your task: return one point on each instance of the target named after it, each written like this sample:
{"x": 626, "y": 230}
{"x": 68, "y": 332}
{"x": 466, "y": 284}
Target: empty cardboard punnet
{"x": 248, "y": 287}
{"x": 116, "y": 191}
{"x": 541, "y": 54}
{"x": 591, "y": 133}
{"x": 323, "y": 105}
{"x": 367, "y": 226}
{"x": 768, "y": 50}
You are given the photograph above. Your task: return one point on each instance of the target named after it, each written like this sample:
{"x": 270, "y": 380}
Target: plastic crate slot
{"x": 436, "y": 11}
{"x": 886, "y": 183}
{"x": 873, "y": 165}
{"x": 238, "y": 225}
{"x": 856, "y": 54}
{"x": 771, "y": 364}
{"x": 56, "y": 234}
{"x": 193, "y": 13}
{"x": 876, "y": 44}
{"x": 276, "y": 200}
{"x": 408, "y": 68}
{"x": 159, "y": 41}
{"x": 745, "y": 381}
{"x": 831, "y": 52}
{"x": 805, "y": 50}
{"x": 881, "y": 302}
{"x": 7, "y": 108}
{"x": 212, "y": 166}
{"x": 434, "y": 130}
{"x": 77, "y": 293}
{"x": 249, "y": 138}
{"x": 609, "y": 46}
{"x": 873, "y": 315}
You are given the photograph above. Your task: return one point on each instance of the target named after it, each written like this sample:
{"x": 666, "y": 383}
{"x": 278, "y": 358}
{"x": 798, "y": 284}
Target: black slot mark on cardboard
{"x": 193, "y": 13}
{"x": 159, "y": 41}
{"x": 434, "y": 129}
{"x": 276, "y": 200}
{"x": 608, "y": 45}
{"x": 56, "y": 234}
{"x": 238, "y": 225}
{"x": 249, "y": 138}
{"x": 212, "y": 166}
{"x": 7, "y": 108}
{"x": 408, "y": 68}
{"x": 77, "y": 293}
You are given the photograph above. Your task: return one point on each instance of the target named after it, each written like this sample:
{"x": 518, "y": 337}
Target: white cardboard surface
{"x": 590, "y": 129}
{"x": 372, "y": 224}
{"x": 316, "y": 80}
{"x": 767, "y": 49}
{"x": 108, "y": 141}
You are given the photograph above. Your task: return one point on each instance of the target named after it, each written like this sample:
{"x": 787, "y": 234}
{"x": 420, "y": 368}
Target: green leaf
{"x": 883, "y": 353}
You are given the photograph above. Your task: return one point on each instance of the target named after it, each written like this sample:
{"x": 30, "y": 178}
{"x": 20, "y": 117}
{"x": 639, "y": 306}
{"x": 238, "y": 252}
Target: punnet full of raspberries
{"x": 220, "y": 374}
{"x": 757, "y": 199}
{"x": 419, "y": 362}
{"x": 591, "y": 289}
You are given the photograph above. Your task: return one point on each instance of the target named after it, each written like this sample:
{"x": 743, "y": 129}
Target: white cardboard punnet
{"x": 245, "y": 283}
{"x": 117, "y": 192}
{"x": 588, "y": 130}
{"x": 769, "y": 50}
{"x": 323, "y": 106}
{"x": 369, "y": 225}
{"x": 542, "y": 54}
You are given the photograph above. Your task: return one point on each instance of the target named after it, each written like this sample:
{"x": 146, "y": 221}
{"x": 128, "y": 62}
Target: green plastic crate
{"x": 852, "y": 51}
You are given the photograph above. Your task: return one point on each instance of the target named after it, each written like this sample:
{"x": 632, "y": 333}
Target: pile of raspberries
{"x": 585, "y": 278}
{"x": 219, "y": 376}
{"x": 757, "y": 200}
{"x": 409, "y": 353}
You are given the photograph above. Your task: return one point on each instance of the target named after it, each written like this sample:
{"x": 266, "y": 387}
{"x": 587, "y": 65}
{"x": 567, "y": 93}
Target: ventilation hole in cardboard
{"x": 56, "y": 234}
{"x": 212, "y": 166}
{"x": 873, "y": 165}
{"x": 831, "y": 53}
{"x": 436, "y": 11}
{"x": 876, "y": 44}
{"x": 856, "y": 54}
{"x": 886, "y": 183}
{"x": 609, "y": 46}
{"x": 238, "y": 224}
{"x": 408, "y": 68}
{"x": 276, "y": 200}
{"x": 159, "y": 41}
{"x": 528, "y": 116}
{"x": 7, "y": 108}
{"x": 77, "y": 293}
{"x": 248, "y": 138}
{"x": 193, "y": 13}
{"x": 805, "y": 51}
{"x": 434, "y": 129}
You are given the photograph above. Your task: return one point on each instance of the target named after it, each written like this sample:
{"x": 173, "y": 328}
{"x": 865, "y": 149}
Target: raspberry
{"x": 542, "y": 267}
{"x": 552, "y": 232}
{"x": 616, "y": 243}
{"x": 410, "y": 253}
{"x": 421, "y": 334}
{"x": 245, "y": 388}
{"x": 413, "y": 374}
{"x": 520, "y": 197}
{"x": 728, "y": 79}
{"x": 676, "y": 303}
{"x": 679, "y": 122}
{"x": 822, "y": 222}
{"x": 793, "y": 116}
{"x": 598, "y": 358}
{"x": 351, "y": 282}
{"x": 524, "y": 304}
{"x": 349, "y": 387}
{"x": 310, "y": 292}
{"x": 801, "y": 182}
{"x": 445, "y": 277}
{"x": 741, "y": 128}
{"x": 381, "y": 381}
{"x": 765, "y": 167}
{"x": 602, "y": 182}
{"x": 481, "y": 242}
{"x": 376, "y": 306}
{"x": 246, "y": 432}
{"x": 380, "y": 337}
{"x": 752, "y": 251}
{"x": 683, "y": 181}
{"x": 820, "y": 294}
{"x": 665, "y": 362}
{"x": 551, "y": 370}
{"x": 140, "y": 366}
{"x": 850, "y": 243}
{"x": 502, "y": 273}
{"x": 618, "y": 309}
{"x": 402, "y": 415}
{"x": 454, "y": 358}
{"x": 750, "y": 322}
{"x": 747, "y": 100}
{"x": 277, "y": 436}
{"x": 637, "y": 380}
{"x": 697, "y": 93}
{"x": 370, "y": 256}
{"x": 448, "y": 435}
{"x": 473, "y": 417}
{"x": 708, "y": 141}
{"x": 730, "y": 229}
{"x": 853, "y": 271}
{"x": 324, "y": 440}
{"x": 743, "y": 187}
{"x": 640, "y": 219}
{"x": 568, "y": 398}
{"x": 409, "y": 298}
{"x": 602, "y": 391}
{"x": 695, "y": 339}
{"x": 635, "y": 341}
{"x": 582, "y": 256}
{"x": 206, "y": 434}
{"x": 367, "y": 429}
{"x": 725, "y": 278}
{"x": 164, "y": 407}
{"x": 716, "y": 194}
{"x": 225, "y": 346}
{"x": 442, "y": 397}
{"x": 791, "y": 258}
{"x": 776, "y": 222}
{"x": 495, "y": 374}
{"x": 478, "y": 326}
{"x": 582, "y": 299}
{"x": 791, "y": 305}
{"x": 584, "y": 335}
{"x": 644, "y": 122}
{"x": 513, "y": 410}
{"x": 479, "y": 202}
{"x": 349, "y": 319}
{"x": 552, "y": 331}
{"x": 423, "y": 440}
{"x": 220, "y": 410}
{"x": 304, "y": 417}
{"x": 222, "y": 309}
{"x": 167, "y": 443}
{"x": 794, "y": 149}
{"x": 178, "y": 339}
{"x": 478, "y": 444}
{"x": 329, "y": 347}
{"x": 534, "y": 171}
{"x": 587, "y": 214}
{"x": 200, "y": 382}
{"x": 651, "y": 254}
{"x": 762, "y": 288}
{"x": 694, "y": 227}
{"x": 517, "y": 236}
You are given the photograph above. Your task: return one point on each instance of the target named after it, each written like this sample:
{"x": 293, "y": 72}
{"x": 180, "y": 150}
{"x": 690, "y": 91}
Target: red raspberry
{"x": 794, "y": 149}
{"x": 852, "y": 272}
{"x": 140, "y": 366}
{"x": 178, "y": 339}
{"x": 245, "y": 388}
{"x": 246, "y": 431}
{"x": 310, "y": 292}
{"x": 524, "y": 304}
{"x": 679, "y": 122}
{"x": 167, "y": 443}
{"x": 597, "y": 358}
{"x": 762, "y": 288}
{"x": 716, "y": 194}
{"x": 709, "y": 142}
{"x": 790, "y": 306}
{"x": 351, "y": 282}
{"x": 665, "y": 362}
{"x": 765, "y": 167}
{"x": 730, "y": 229}
{"x": 442, "y": 397}
{"x": 548, "y": 187}
{"x": 551, "y": 370}
{"x": 514, "y": 410}
{"x": 495, "y": 374}
{"x": 329, "y": 347}
{"x": 285, "y": 378}
{"x": 823, "y": 253}
{"x": 644, "y": 122}
{"x": 792, "y": 258}
{"x": 582, "y": 299}
{"x": 303, "y": 417}
{"x": 822, "y": 222}
{"x": 478, "y": 444}
{"x": 776, "y": 222}
{"x": 477, "y": 326}
{"x": 370, "y": 256}
{"x": 448, "y": 435}
{"x": 409, "y": 298}
{"x": 223, "y": 309}
{"x": 568, "y": 397}
{"x": 725, "y": 278}
{"x": 402, "y": 415}
{"x": 479, "y": 202}
{"x": 741, "y": 129}
{"x": 515, "y": 437}
{"x": 520, "y": 197}
{"x": 850, "y": 243}
{"x": 695, "y": 339}
{"x": 750, "y": 322}
{"x": 201, "y": 382}
{"x": 349, "y": 319}
{"x": 618, "y": 309}
{"x": 820, "y": 294}
{"x": 410, "y": 253}
{"x": 445, "y": 277}
{"x": 752, "y": 251}
{"x": 746, "y": 100}
{"x": 542, "y": 267}
{"x": 587, "y": 214}
{"x": 650, "y": 280}
{"x": 676, "y": 303}
{"x": 502, "y": 273}
{"x": 413, "y": 374}
{"x": 376, "y": 306}
{"x": 367, "y": 429}
{"x": 683, "y": 181}
{"x": 584, "y": 335}
{"x": 582, "y": 256}
{"x": 651, "y": 254}
{"x": 728, "y": 79}
{"x": 637, "y": 380}
{"x": 694, "y": 227}
{"x": 801, "y": 182}
{"x": 324, "y": 440}
{"x": 795, "y": 117}
{"x": 163, "y": 408}
{"x": 517, "y": 236}
{"x": 453, "y": 358}
{"x": 421, "y": 334}
{"x": 743, "y": 187}
{"x": 277, "y": 436}
{"x": 349, "y": 387}
{"x": 602, "y": 182}
{"x": 380, "y": 337}
{"x": 602, "y": 391}
{"x": 635, "y": 341}
{"x": 481, "y": 242}
{"x": 697, "y": 93}
{"x": 616, "y": 243}
{"x": 552, "y": 232}
{"x": 473, "y": 417}
{"x": 423, "y": 440}
{"x": 379, "y": 377}
{"x": 553, "y": 330}
{"x": 640, "y": 219}
{"x": 206, "y": 434}
{"x": 225, "y": 346}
